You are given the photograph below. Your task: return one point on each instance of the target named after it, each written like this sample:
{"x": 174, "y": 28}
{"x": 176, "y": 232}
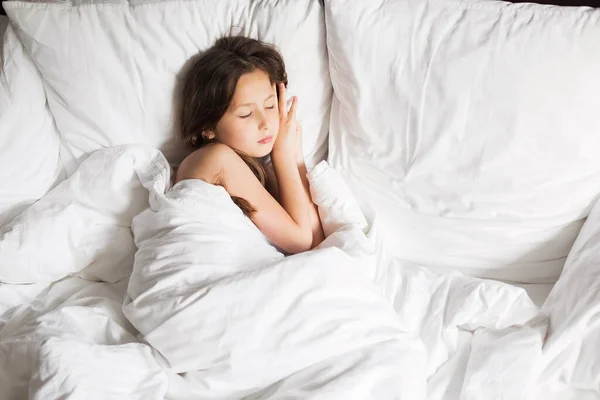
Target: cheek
{"x": 232, "y": 130}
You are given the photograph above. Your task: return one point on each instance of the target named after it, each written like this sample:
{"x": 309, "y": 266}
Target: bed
{"x": 453, "y": 155}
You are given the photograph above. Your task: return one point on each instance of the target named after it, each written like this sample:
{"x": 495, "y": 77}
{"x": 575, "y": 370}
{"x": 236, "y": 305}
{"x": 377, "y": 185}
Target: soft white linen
{"x": 222, "y": 307}
{"x": 444, "y": 384}
{"x": 571, "y": 357}
{"x": 82, "y": 223}
{"x": 29, "y": 142}
{"x": 538, "y": 293}
{"x": 111, "y": 68}
{"x": 72, "y": 341}
{"x": 470, "y": 126}
{"x": 247, "y": 319}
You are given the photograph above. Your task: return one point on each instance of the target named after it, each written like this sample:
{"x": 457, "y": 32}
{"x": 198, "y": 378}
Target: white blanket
{"x": 571, "y": 361}
{"x": 222, "y": 314}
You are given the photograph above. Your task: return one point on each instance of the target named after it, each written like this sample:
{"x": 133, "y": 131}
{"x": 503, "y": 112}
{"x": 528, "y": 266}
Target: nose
{"x": 263, "y": 123}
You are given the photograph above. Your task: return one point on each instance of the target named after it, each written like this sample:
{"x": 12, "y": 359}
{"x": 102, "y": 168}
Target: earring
{"x": 208, "y": 136}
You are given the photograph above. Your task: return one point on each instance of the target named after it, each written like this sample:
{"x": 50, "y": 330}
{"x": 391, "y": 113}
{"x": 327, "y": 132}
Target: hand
{"x": 290, "y": 132}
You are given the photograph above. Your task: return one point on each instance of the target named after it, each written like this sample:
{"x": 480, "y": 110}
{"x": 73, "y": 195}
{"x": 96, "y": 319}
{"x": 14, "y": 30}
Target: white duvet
{"x": 212, "y": 310}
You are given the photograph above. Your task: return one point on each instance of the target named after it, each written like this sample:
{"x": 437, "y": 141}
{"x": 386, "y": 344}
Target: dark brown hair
{"x": 209, "y": 86}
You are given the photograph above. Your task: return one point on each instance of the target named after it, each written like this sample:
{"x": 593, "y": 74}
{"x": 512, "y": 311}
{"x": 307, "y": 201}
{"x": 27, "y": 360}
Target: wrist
{"x": 299, "y": 156}
{"x": 282, "y": 153}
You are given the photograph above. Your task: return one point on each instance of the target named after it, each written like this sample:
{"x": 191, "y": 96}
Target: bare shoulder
{"x": 207, "y": 163}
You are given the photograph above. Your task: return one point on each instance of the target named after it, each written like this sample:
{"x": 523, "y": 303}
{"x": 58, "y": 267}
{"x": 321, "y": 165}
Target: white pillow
{"x": 472, "y": 127}
{"x": 29, "y": 142}
{"x": 110, "y": 68}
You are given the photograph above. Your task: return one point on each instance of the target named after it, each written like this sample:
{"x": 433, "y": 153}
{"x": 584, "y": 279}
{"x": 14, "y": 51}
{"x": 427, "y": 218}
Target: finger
{"x": 281, "y": 92}
{"x": 292, "y": 112}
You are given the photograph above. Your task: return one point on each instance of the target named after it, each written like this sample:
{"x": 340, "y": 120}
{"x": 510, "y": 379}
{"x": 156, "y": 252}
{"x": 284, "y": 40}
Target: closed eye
{"x": 270, "y": 108}
{"x": 245, "y": 116}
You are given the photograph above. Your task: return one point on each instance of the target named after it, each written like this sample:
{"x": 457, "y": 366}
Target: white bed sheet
{"x": 538, "y": 292}
{"x": 63, "y": 324}
{"x": 72, "y": 338}
{"x": 12, "y": 296}
{"x": 445, "y": 384}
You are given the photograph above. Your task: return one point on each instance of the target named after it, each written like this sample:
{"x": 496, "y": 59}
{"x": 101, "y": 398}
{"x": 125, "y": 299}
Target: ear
{"x": 208, "y": 134}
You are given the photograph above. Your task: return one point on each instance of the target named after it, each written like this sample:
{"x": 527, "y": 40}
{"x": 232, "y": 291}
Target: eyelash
{"x": 246, "y": 116}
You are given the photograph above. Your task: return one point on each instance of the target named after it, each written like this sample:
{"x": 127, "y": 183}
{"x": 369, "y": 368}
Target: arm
{"x": 273, "y": 188}
{"x": 290, "y": 171}
{"x": 271, "y": 184}
{"x": 272, "y": 179}
{"x": 275, "y": 221}
{"x": 291, "y": 192}
{"x": 317, "y": 229}
{"x": 219, "y": 164}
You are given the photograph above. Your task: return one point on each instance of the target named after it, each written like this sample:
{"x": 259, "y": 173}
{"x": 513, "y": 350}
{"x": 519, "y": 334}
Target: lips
{"x": 266, "y": 140}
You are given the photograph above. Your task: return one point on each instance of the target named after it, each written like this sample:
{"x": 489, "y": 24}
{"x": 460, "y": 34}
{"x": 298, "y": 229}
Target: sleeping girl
{"x": 234, "y": 113}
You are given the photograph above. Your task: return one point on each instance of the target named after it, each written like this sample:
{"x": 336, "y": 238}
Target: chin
{"x": 260, "y": 153}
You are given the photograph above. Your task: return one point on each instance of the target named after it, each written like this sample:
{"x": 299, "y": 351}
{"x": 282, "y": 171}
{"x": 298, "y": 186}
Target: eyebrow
{"x": 249, "y": 104}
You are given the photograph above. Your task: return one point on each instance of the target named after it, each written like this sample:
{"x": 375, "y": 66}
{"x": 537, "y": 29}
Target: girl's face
{"x": 251, "y": 123}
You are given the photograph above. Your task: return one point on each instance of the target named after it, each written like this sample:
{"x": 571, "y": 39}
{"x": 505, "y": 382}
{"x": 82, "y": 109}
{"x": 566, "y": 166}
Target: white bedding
{"x": 140, "y": 50}
{"x": 29, "y": 141}
{"x": 212, "y": 310}
{"x": 480, "y": 129}
{"x": 444, "y": 384}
